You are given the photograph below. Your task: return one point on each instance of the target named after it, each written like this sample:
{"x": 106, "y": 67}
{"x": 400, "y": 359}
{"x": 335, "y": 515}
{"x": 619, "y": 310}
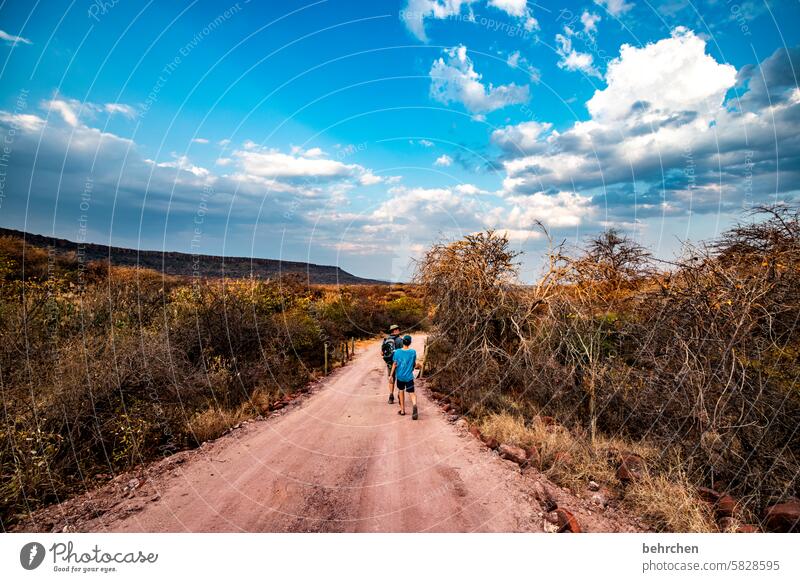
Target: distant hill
{"x": 175, "y": 263}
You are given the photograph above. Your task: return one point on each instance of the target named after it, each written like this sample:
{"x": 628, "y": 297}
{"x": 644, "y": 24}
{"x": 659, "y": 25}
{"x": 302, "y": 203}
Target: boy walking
{"x": 403, "y": 366}
{"x": 392, "y": 343}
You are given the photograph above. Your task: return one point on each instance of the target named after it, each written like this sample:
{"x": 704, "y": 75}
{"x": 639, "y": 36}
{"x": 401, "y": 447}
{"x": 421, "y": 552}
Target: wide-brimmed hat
{"x": 393, "y": 327}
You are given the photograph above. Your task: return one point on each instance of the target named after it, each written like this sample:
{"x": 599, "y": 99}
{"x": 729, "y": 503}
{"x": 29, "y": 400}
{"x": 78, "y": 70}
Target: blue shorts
{"x": 408, "y": 386}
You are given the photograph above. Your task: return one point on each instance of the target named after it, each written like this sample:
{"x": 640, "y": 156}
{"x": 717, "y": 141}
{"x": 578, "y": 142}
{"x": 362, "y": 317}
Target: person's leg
{"x": 413, "y": 394}
{"x": 401, "y": 394}
{"x": 391, "y": 385}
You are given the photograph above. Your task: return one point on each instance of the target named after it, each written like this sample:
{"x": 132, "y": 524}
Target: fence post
{"x": 326, "y": 358}
{"x": 352, "y": 347}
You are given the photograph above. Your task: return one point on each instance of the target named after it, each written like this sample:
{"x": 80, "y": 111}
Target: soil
{"x": 339, "y": 459}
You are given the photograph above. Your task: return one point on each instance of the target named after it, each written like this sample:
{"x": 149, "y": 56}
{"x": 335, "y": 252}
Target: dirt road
{"x": 340, "y": 460}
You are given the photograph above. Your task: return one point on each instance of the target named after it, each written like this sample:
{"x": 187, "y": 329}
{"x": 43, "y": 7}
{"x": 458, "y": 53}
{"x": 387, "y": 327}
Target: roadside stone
{"x": 725, "y": 506}
{"x": 747, "y": 528}
{"x": 452, "y": 417}
{"x": 567, "y": 522}
{"x": 783, "y": 517}
{"x": 707, "y": 494}
{"x": 729, "y": 524}
{"x": 462, "y": 423}
{"x": 491, "y": 442}
{"x": 593, "y": 486}
{"x": 475, "y": 431}
{"x": 631, "y": 468}
{"x": 534, "y": 457}
{"x": 513, "y": 453}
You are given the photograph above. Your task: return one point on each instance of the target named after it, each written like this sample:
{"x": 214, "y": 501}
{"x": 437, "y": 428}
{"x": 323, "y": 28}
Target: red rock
{"x": 631, "y": 468}
{"x": 707, "y": 494}
{"x": 567, "y": 522}
{"x": 475, "y": 431}
{"x": 513, "y": 453}
{"x": 448, "y": 408}
{"x": 783, "y": 517}
{"x": 534, "y": 457}
{"x": 747, "y": 528}
{"x": 491, "y": 443}
{"x": 725, "y": 506}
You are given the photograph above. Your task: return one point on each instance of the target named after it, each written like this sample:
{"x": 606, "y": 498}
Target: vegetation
{"x": 103, "y": 368}
{"x": 697, "y": 361}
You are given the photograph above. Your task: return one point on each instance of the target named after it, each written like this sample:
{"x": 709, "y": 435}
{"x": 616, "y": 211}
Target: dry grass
{"x": 213, "y": 422}
{"x": 669, "y": 503}
{"x": 666, "y": 501}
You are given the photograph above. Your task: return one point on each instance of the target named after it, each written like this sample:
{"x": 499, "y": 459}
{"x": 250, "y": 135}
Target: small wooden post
{"x": 352, "y": 347}
{"x": 326, "y": 358}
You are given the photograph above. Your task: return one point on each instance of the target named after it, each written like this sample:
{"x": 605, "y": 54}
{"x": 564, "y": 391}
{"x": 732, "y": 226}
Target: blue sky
{"x": 356, "y": 133}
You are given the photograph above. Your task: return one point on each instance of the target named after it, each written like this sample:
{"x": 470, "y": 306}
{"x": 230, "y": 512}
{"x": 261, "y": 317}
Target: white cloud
{"x": 661, "y": 138}
{"x": 589, "y": 21}
{"x": 615, "y": 7}
{"x": 67, "y": 110}
{"x": 511, "y": 7}
{"x": 513, "y": 59}
{"x": 182, "y": 163}
{"x": 25, "y": 121}
{"x": 271, "y": 163}
{"x": 443, "y": 160}
{"x": 12, "y": 39}
{"x": 573, "y": 60}
{"x": 224, "y": 142}
{"x": 200, "y": 140}
{"x": 416, "y": 11}
{"x": 426, "y": 143}
{"x": 120, "y": 108}
{"x": 454, "y": 80}
{"x": 369, "y": 179}
{"x": 671, "y": 75}
{"x": 521, "y": 138}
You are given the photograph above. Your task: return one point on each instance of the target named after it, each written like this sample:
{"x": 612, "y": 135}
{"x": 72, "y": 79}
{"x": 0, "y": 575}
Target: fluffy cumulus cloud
{"x": 455, "y": 80}
{"x": 416, "y": 12}
{"x": 574, "y": 60}
{"x": 663, "y": 139}
{"x": 672, "y": 75}
{"x": 589, "y": 21}
{"x": 615, "y": 7}
{"x": 58, "y": 153}
{"x": 443, "y": 160}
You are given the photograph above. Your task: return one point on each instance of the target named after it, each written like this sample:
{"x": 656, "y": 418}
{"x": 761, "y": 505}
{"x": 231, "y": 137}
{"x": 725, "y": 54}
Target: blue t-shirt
{"x": 405, "y": 364}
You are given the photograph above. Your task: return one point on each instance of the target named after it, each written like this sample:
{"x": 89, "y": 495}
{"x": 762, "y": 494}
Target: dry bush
{"x": 699, "y": 359}
{"x": 104, "y": 368}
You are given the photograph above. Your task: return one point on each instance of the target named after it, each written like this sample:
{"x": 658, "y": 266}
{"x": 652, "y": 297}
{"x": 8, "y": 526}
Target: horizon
{"x": 333, "y": 133}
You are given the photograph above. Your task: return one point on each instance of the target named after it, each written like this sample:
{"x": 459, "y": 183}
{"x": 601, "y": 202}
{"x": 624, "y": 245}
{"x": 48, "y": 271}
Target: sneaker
{"x": 414, "y": 414}
{"x": 391, "y": 398}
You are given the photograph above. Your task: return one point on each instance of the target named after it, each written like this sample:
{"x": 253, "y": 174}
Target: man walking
{"x": 391, "y": 343}
{"x": 405, "y": 360}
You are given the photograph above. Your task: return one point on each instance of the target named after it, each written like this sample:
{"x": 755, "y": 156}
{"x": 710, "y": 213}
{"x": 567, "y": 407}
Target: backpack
{"x": 387, "y": 349}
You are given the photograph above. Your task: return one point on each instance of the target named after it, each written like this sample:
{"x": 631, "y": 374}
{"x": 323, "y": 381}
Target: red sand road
{"x": 340, "y": 460}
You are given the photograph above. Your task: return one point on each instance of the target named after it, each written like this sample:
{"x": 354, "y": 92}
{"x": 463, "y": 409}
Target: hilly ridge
{"x": 178, "y": 263}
